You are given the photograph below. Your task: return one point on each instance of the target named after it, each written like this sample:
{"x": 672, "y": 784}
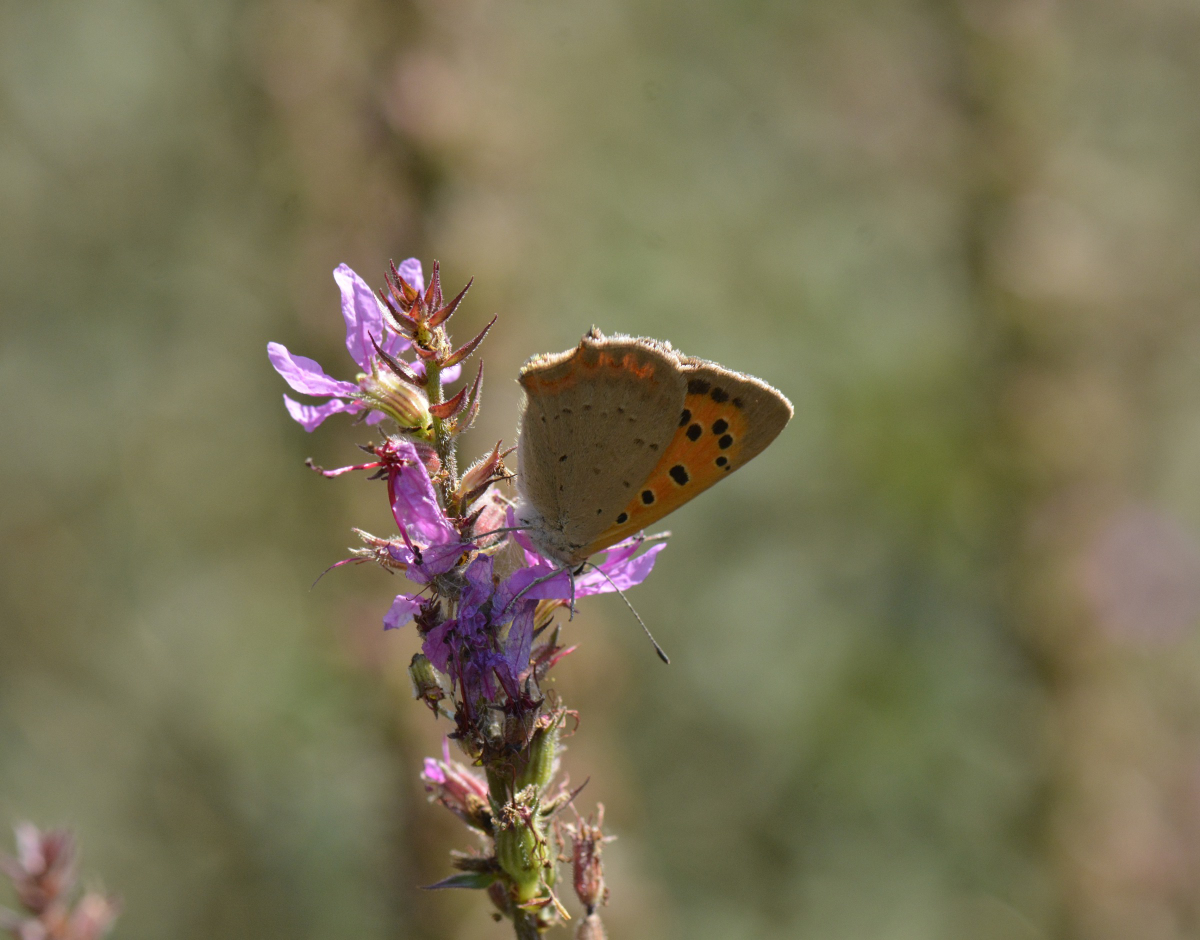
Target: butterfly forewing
{"x": 727, "y": 419}
{"x": 596, "y": 421}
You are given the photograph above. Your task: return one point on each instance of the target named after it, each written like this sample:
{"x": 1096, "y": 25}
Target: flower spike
{"x": 485, "y": 606}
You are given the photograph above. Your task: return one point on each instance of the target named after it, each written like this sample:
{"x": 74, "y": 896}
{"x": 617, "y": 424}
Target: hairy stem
{"x": 443, "y": 441}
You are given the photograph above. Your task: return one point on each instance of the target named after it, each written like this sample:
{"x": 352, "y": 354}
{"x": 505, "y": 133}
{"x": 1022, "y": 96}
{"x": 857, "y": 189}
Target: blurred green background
{"x": 935, "y": 666}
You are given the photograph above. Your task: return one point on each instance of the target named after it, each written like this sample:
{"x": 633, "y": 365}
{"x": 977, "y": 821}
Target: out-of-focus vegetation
{"x": 935, "y": 663}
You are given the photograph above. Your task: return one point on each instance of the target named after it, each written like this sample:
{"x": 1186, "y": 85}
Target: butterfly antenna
{"x": 650, "y": 636}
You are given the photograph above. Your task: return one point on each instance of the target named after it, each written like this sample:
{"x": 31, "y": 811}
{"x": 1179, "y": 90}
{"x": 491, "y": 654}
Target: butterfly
{"x": 619, "y": 431}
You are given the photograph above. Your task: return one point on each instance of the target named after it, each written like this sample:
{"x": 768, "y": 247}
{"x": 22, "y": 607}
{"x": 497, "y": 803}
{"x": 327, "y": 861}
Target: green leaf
{"x": 465, "y": 879}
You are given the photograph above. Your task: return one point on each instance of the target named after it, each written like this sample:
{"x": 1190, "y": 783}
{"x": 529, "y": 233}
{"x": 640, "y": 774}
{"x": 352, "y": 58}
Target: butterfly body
{"x": 620, "y": 431}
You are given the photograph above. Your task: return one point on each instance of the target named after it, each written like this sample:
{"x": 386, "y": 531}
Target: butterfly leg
{"x": 571, "y": 615}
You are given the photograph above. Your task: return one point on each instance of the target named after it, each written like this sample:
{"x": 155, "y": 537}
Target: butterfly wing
{"x": 595, "y": 422}
{"x": 726, "y": 419}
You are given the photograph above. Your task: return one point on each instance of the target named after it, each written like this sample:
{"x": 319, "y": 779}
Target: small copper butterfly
{"x": 621, "y": 430}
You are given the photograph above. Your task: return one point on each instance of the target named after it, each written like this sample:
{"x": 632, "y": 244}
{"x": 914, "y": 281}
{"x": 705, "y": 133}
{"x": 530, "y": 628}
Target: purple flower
{"x": 464, "y": 647}
{"x": 474, "y": 648}
{"x": 431, "y": 543}
{"x": 621, "y": 567}
{"x": 458, "y": 789}
{"x": 364, "y": 323}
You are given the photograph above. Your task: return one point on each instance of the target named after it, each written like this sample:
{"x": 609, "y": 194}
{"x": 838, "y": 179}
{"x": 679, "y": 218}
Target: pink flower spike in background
{"x": 43, "y": 876}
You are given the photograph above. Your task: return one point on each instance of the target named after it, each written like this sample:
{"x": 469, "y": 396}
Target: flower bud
{"x": 521, "y": 851}
{"x": 427, "y": 684}
{"x": 454, "y": 786}
{"x": 482, "y": 474}
{"x": 406, "y": 404}
{"x": 542, "y": 759}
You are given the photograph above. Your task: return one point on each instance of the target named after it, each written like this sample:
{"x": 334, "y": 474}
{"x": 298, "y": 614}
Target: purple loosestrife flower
{"x": 458, "y": 789}
{"x": 376, "y": 389}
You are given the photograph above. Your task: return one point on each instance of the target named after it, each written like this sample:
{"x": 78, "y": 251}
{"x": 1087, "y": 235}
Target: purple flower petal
{"x": 306, "y": 375}
{"x": 621, "y": 552}
{"x": 518, "y": 645}
{"x": 622, "y": 575}
{"x": 360, "y": 310}
{"x": 410, "y": 270}
{"x": 479, "y": 583}
{"x": 537, "y": 582}
{"x": 414, "y": 503}
{"x": 437, "y": 647}
{"x": 531, "y": 555}
{"x": 394, "y": 344}
{"x": 432, "y": 772}
{"x": 401, "y": 611}
{"x": 453, "y": 374}
{"x": 435, "y": 560}
{"x": 309, "y": 416}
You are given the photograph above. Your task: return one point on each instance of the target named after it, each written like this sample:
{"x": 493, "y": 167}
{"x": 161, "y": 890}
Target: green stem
{"x": 526, "y": 926}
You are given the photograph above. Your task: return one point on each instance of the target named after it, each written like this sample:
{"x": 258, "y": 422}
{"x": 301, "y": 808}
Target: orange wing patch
{"x": 705, "y": 448}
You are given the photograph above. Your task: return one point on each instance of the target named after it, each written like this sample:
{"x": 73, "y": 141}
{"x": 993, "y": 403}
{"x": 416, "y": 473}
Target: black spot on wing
{"x": 648, "y": 497}
{"x": 720, "y": 426}
{"x": 685, "y": 417}
{"x": 725, "y": 441}
{"x": 721, "y": 461}
{"x": 698, "y": 387}
{"x": 623, "y": 518}
{"x": 694, "y": 432}
{"x": 719, "y": 395}
{"x": 679, "y": 474}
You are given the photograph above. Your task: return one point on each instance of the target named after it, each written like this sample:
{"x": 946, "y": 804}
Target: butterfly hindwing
{"x": 595, "y": 422}
{"x": 727, "y": 419}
